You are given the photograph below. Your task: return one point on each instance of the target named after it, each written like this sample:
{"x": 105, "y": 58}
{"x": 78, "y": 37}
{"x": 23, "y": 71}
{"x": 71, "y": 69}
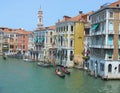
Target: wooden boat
{"x": 65, "y": 70}
{"x": 60, "y": 74}
{"x": 42, "y": 64}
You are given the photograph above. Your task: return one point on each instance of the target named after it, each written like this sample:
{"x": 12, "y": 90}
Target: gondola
{"x": 65, "y": 70}
{"x": 4, "y": 57}
{"x": 60, "y": 74}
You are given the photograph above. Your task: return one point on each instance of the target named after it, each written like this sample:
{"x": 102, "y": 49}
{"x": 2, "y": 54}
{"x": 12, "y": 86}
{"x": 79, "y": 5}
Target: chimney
{"x": 80, "y": 12}
{"x": 66, "y": 18}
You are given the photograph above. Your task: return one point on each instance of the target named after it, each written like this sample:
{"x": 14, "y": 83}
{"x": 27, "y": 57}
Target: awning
{"x": 95, "y": 26}
{"x": 35, "y": 40}
{"x": 41, "y": 40}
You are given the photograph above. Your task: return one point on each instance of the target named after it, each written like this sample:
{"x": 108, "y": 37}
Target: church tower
{"x": 40, "y": 19}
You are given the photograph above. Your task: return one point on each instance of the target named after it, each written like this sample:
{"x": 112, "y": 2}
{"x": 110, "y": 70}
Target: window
{"x": 110, "y": 53}
{"x": 59, "y": 29}
{"x": 71, "y": 56}
{"x": 111, "y": 14}
{"x": 110, "y": 40}
{"x": 118, "y": 5}
{"x": 50, "y": 40}
{"x": 66, "y": 28}
{"x": 104, "y": 27}
{"x": 72, "y": 28}
{"x": 23, "y": 46}
{"x": 111, "y": 26}
{"x": 23, "y": 36}
{"x": 101, "y": 66}
{"x": 11, "y": 46}
{"x": 119, "y": 41}
{"x": 50, "y": 33}
{"x": 119, "y": 54}
{"x": 119, "y": 68}
{"x": 71, "y": 43}
{"x": 109, "y": 68}
{"x": 39, "y": 19}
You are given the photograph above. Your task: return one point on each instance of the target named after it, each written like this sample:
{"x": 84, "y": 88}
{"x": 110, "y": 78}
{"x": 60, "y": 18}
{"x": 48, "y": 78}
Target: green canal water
{"x": 17, "y": 76}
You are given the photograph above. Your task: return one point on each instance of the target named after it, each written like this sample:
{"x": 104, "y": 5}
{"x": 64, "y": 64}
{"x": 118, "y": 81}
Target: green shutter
{"x": 95, "y": 26}
{"x": 35, "y": 40}
{"x": 41, "y": 40}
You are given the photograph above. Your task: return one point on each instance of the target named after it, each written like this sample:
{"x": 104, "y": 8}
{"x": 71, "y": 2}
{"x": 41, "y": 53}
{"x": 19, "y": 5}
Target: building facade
{"x": 30, "y": 41}
{"x": 69, "y": 41}
{"x": 22, "y": 40}
{"x": 43, "y": 41}
{"x": 50, "y": 44}
{"x": 39, "y": 44}
{"x": 1, "y": 41}
{"x": 14, "y": 40}
{"x": 105, "y": 41}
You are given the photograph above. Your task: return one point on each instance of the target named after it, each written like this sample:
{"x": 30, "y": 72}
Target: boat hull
{"x": 60, "y": 75}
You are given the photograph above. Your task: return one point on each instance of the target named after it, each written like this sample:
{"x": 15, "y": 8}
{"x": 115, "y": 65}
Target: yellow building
{"x": 78, "y": 42}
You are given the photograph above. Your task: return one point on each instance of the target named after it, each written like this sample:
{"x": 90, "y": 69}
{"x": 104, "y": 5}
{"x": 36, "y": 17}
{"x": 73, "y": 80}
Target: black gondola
{"x": 60, "y": 74}
{"x": 4, "y": 57}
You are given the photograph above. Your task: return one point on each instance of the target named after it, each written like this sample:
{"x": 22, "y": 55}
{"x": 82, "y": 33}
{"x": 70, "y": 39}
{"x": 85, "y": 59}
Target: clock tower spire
{"x": 40, "y": 19}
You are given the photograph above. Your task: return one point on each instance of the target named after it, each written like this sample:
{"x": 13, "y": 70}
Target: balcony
{"x": 102, "y": 46}
{"x": 95, "y": 46}
{"x": 108, "y": 46}
{"x": 111, "y": 32}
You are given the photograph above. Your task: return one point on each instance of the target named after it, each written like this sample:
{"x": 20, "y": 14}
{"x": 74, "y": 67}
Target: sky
{"x": 23, "y": 13}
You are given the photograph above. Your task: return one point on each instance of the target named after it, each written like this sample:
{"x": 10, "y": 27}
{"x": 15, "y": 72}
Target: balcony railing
{"x": 102, "y": 46}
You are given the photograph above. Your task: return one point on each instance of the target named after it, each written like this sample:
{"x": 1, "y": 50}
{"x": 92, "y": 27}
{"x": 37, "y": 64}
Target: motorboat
{"x": 43, "y": 64}
{"x": 27, "y": 60}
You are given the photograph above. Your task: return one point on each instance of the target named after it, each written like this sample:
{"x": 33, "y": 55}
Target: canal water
{"x": 17, "y": 76}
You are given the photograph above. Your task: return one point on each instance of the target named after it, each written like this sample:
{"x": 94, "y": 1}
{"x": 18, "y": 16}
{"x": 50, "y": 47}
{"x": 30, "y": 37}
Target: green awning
{"x": 95, "y": 26}
{"x": 35, "y": 40}
{"x": 41, "y": 40}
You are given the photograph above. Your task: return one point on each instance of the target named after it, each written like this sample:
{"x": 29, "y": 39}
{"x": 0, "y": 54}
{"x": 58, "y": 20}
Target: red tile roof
{"x": 114, "y": 4}
{"x": 10, "y": 30}
{"x": 81, "y": 17}
{"x": 51, "y": 27}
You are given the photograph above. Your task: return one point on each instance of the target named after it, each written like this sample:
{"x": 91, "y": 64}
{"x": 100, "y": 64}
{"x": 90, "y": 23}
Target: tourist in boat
{"x": 59, "y": 73}
{"x": 65, "y": 71}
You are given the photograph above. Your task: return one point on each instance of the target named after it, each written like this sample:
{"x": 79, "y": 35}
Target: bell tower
{"x": 40, "y": 19}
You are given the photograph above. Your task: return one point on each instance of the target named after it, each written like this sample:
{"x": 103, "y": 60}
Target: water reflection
{"x": 110, "y": 87}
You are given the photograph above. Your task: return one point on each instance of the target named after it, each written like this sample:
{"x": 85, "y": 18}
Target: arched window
{"x": 119, "y": 68}
{"x": 109, "y": 68}
{"x": 71, "y": 43}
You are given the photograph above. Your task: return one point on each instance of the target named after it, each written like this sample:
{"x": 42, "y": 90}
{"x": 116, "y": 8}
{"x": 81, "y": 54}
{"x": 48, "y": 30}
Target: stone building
{"x": 105, "y": 41}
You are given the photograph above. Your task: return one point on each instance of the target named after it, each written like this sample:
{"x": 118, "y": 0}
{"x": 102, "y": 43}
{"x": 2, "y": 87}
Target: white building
{"x": 43, "y": 41}
{"x": 105, "y": 41}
